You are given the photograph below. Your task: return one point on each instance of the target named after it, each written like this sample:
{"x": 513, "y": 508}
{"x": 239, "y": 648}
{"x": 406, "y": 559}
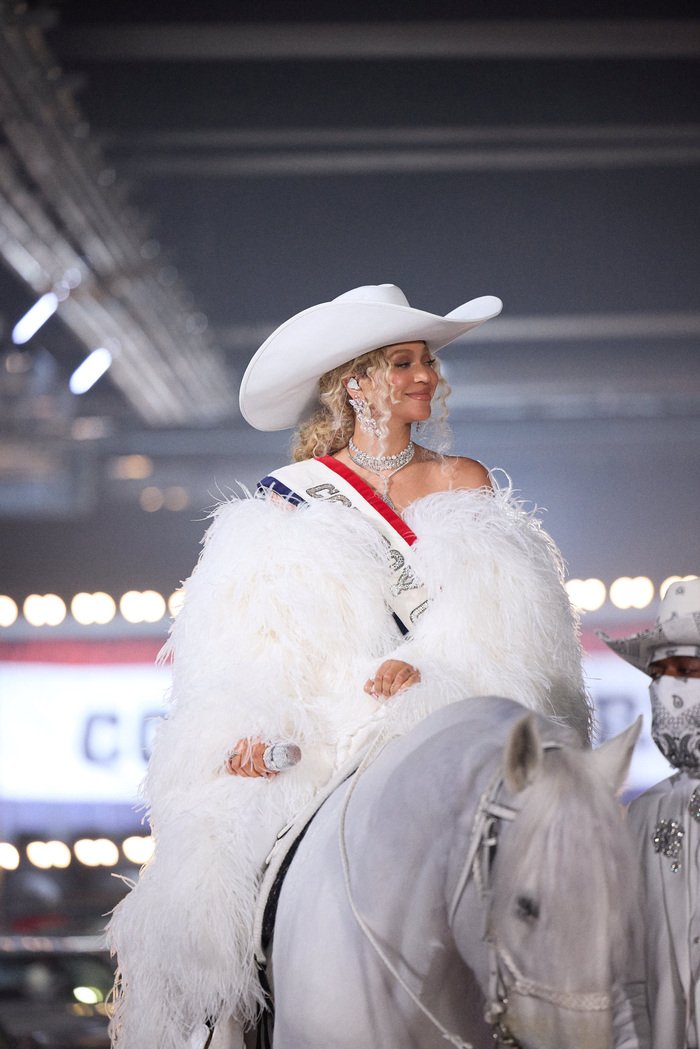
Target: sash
{"x": 333, "y": 482}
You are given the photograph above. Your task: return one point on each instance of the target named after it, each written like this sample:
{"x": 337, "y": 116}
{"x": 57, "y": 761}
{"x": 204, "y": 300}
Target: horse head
{"x": 479, "y": 861}
{"x": 557, "y": 924}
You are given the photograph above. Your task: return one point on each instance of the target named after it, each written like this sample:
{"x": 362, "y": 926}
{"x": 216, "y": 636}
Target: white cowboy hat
{"x": 676, "y": 630}
{"x": 280, "y": 385}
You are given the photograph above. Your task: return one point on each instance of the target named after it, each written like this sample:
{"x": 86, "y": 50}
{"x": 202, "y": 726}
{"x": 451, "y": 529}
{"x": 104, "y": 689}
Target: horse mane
{"x": 569, "y": 821}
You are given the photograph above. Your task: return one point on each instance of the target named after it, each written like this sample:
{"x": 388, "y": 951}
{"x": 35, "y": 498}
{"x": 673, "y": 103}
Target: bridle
{"x": 483, "y": 840}
{"x": 504, "y": 975}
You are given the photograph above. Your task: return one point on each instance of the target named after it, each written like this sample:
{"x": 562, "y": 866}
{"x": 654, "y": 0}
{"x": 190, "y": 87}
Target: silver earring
{"x": 363, "y": 412}
{"x": 361, "y": 409}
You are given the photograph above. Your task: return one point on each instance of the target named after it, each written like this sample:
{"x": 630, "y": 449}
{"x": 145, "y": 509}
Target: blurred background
{"x": 177, "y": 179}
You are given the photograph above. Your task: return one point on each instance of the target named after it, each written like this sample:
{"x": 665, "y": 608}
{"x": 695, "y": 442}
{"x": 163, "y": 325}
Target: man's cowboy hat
{"x": 280, "y": 385}
{"x": 676, "y": 630}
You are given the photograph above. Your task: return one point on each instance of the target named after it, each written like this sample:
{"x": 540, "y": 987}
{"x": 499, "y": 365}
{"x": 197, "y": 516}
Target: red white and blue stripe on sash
{"x": 313, "y": 477}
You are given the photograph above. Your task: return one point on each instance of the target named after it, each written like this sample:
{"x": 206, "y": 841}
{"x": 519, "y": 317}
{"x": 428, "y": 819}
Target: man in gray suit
{"x": 666, "y": 818}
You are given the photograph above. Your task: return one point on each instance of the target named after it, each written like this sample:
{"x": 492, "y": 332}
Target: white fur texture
{"x": 284, "y": 619}
{"x": 500, "y": 622}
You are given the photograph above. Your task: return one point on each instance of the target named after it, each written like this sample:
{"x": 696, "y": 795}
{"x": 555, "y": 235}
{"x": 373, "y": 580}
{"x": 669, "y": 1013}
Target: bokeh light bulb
{"x": 8, "y": 610}
{"x": 138, "y": 848}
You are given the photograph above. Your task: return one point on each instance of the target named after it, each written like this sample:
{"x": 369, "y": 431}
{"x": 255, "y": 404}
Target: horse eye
{"x": 526, "y": 908}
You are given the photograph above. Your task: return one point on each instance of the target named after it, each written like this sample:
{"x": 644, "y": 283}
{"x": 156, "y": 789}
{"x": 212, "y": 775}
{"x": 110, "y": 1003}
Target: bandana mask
{"x": 675, "y": 721}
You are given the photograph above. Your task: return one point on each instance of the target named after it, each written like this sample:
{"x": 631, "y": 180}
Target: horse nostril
{"x": 526, "y": 908}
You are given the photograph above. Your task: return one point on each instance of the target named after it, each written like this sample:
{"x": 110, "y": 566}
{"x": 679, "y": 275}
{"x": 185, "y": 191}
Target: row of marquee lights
{"x": 91, "y": 852}
{"x": 136, "y": 606}
{"x": 148, "y": 606}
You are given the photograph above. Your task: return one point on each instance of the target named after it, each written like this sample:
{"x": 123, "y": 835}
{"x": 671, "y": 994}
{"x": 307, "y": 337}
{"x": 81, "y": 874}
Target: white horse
{"x": 478, "y": 865}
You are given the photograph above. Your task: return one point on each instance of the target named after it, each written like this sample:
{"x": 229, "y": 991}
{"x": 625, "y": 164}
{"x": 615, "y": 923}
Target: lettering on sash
{"x": 406, "y": 595}
{"x": 404, "y": 576}
{"x": 329, "y": 493}
{"x": 396, "y": 559}
{"x": 406, "y": 581}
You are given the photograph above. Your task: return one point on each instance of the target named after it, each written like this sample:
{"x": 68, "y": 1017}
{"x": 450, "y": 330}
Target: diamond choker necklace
{"x": 378, "y": 464}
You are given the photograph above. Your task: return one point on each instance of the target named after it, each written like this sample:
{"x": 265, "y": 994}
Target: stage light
{"x": 72, "y": 277}
{"x": 8, "y": 610}
{"x": 176, "y": 498}
{"x": 176, "y": 602}
{"x": 130, "y": 606}
{"x": 93, "y": 367}
{"x": 93, "y": 608}
{"x": 79, "y": 1009}
{"x": 100, "y": 852}
{"x": 37, "y": 854}
{"x": 59, "y": 853}
{"x": 9, "y": 856}
{"x": 153, "y": 606}
{"x": 88, "y": 995}
{"x": 151, "y": 499}
{"x": 146, "y": 607}
{"x": 48, "y": 610}
{"x": 18, "y": 362}
{"x": 45, "y": 854}
{"x": 131, "y": 467}
{"x": 34, "y": 318}
{"x": 90, "y": 428}
{"x": 631, "y": 593}
{"x": 673, "y": 579}
{"x": 138, "y": 849}
{"x": 586, "y": 594}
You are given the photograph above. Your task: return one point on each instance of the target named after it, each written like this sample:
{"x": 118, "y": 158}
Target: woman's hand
{"x": 392, "y": 676}
{"x": 246, "y": 759}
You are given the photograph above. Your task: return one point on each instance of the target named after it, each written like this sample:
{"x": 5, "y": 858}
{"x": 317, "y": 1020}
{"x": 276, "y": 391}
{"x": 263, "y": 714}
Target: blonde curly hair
{"x": 330, "y": 428}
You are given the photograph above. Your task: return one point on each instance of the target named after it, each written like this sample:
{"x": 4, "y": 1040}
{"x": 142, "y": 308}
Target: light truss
{"x": 62, "y": 208}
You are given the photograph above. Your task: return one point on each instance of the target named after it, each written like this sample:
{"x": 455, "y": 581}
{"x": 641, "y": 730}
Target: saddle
{"x": 279, "y": 860}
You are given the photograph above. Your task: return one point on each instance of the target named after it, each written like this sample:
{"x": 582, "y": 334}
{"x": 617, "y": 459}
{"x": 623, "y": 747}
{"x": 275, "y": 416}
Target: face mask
{"x": 675, "y": 721}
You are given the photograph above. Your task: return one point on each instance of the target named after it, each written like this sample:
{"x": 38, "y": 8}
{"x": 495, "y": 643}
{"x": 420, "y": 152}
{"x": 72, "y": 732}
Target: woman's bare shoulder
{"x": 469, "y": 473}
{"x": 458, "y": 470}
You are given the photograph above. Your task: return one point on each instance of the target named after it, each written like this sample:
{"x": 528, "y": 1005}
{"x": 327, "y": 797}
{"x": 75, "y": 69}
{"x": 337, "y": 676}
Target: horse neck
{"x": 414, "y": 808}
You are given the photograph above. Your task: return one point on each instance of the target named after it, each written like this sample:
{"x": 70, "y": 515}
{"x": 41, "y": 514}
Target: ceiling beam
{"x": 244, "y": 338}
{"x": 225, "y": 153}
{"x": 423, "y": 136}
{"x": 314, "y": 41}
{"x": 413, "y": 161}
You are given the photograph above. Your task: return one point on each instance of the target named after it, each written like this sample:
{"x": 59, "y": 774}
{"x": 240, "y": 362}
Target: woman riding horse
{"x": 362, "y": 587}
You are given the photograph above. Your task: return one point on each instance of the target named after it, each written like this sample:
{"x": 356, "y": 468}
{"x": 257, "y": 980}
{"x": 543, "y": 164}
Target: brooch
{"x": 668, "y": 838}
{"x": 694, "y": 804}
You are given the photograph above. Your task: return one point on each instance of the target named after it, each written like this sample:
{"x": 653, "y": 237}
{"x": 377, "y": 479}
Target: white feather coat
{"x": 284, "y": 620}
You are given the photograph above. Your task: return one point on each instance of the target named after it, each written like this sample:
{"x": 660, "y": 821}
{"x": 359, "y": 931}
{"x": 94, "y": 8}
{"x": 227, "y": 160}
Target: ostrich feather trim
{"x": 283, "y": 621}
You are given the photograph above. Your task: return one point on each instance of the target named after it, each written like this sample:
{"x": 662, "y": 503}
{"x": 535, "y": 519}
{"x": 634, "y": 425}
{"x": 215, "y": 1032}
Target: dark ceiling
{"x": 213, "y": 168}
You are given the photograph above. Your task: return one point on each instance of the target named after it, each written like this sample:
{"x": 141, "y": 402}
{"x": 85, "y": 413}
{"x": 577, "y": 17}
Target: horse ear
{"x": 523, "y": 754}
{"x": 611, "y": 759}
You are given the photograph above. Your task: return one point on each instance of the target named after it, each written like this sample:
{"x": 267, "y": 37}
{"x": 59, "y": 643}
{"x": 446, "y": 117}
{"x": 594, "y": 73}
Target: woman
{"x": 325, "y": 627}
